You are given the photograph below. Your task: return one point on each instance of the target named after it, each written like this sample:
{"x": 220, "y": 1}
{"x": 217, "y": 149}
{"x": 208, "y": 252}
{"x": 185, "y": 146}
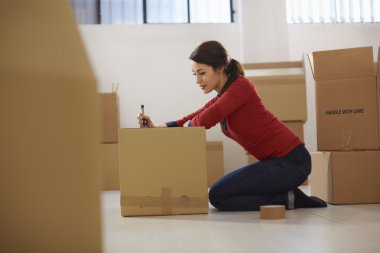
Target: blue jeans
{"x": 262, "y": 183}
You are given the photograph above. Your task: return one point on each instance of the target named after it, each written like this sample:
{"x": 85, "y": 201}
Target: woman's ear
{"x": 221, "y": 70}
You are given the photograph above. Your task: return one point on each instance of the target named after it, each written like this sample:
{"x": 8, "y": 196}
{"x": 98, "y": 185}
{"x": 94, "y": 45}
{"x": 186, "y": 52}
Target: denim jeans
{"x": 262, "y": 183}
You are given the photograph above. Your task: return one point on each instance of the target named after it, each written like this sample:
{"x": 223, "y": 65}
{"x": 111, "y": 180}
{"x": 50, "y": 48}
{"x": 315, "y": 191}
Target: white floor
{"x": 337, "y": 228}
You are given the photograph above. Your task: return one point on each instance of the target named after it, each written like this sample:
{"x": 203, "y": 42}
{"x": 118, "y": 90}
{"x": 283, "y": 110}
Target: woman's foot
{"x": 301, "y": 200}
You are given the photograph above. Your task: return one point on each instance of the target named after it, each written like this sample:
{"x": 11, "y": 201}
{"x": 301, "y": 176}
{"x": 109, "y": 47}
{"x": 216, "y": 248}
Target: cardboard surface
{"x": 347, "y": 117}
{"x": 50, "y": 179}
{"x": 272, "y": 65}
{"x": 346, "y": 177}
{"x": 346, "y": 100}
{"x": 215, "y": 161}
{"x": 284, "y": 95}
{"x": 378, "y": 66}
{"x": 342, "y": 63}
{"x": 163, "y": 171}
{"x": 109, "y": 162}
{"x": 109, "y": 117}
{"x": 319, "y": 176}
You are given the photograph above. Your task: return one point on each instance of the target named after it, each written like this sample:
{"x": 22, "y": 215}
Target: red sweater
{"x": 249, "y": 122}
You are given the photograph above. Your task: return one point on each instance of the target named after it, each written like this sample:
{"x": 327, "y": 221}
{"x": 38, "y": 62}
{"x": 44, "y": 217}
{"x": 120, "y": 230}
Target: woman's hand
{"x": 149, "y": 122}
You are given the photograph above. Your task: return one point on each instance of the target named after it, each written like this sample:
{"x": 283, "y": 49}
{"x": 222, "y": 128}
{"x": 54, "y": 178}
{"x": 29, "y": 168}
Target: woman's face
{"x": 207, "y": 78}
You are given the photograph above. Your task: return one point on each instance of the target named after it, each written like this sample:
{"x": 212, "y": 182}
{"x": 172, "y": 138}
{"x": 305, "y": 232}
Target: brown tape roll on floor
{"x": 272, "y": 212}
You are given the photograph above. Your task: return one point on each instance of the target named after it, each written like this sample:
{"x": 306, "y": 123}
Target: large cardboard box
{"x": 163, "y": 171}
{"x": 282, "y": 90}
{"x": 49, "y": 175}
{"x": 346, "y": 99}
{"x": 109, "y": 117}
{"x": 351, "y": 177}
{"x": 347, "y": 117}
{"x": 109, "y": 162}
{"x": 215, "y": 161}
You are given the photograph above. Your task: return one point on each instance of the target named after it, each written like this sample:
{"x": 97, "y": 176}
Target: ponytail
{"x": 233, "y": 70}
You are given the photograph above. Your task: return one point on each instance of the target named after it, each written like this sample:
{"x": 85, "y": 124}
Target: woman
{"x": 284, "y": 161}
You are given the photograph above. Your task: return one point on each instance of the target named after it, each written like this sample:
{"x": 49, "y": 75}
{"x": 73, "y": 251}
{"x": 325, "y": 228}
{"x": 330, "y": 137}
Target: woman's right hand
{"x": 149, "y": 122}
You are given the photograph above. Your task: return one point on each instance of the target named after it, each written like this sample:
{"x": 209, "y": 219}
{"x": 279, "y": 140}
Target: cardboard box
{"x": 351, "y": 177}
{"x": 346, "y": 100}
{"x": 283, "y": 91}
{"x": 295, "y": 126}
{"x": 342, "y": 63}
{"x": 215, "y": 161}
{"x": 49, "y": 110}
{"x": 109, "y": 162}
{"x": 109, "y": 117}
{"x": 347, "y": 114}
{"x": 163, "y": 171}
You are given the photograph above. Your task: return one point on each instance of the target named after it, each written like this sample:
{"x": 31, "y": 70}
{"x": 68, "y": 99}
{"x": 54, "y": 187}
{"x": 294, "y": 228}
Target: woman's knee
{"x": 214, "y": 196}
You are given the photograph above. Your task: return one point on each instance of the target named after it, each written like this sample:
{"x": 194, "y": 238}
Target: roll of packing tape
{"x": 272, "y": 212}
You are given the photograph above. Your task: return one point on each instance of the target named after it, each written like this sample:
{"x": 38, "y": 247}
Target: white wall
{"x": 151, "y": 61}
{"x": 264, "y": 35}
{"x": 151, "y": 64}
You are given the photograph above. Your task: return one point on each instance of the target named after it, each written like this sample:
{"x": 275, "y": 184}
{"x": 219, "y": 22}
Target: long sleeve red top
{"x": 249, "y": 122}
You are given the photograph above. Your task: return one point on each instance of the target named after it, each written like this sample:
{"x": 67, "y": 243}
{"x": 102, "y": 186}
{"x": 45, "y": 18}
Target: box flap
{"x": 311, "y": 61}
{"x": 343, "y": 63}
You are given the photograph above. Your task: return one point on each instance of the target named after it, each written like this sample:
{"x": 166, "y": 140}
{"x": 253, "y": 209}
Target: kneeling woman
{"x": 284, "y": 162}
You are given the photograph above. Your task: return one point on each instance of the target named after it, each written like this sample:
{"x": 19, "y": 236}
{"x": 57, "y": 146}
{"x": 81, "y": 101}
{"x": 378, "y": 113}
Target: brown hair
{"x": 214, "y": 54}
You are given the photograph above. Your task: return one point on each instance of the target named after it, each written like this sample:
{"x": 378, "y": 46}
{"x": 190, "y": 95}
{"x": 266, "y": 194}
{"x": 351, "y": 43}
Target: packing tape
{"x": 166, "y": 201}
{"x": 272, "y": 212}
{"x": 346, "y": 140}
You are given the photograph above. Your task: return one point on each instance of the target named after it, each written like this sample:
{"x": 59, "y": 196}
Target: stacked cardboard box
{"x": 109, "y": 117}
{"x": 347, "y": 169}
{"x": 215, "y": 161}
{"x": 163, "y": 171}
{"x": 282, "y": 88}
{"x": 108, "y": 149}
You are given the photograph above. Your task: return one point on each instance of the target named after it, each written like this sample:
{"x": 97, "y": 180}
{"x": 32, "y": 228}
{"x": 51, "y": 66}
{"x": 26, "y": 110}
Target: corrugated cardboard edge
{"x": 320, "y": 174}
{"x": 311, "y": 62}
{"x": 330, "y": 178}
{"x": 378, "y": 88}
{"x": 214, "y": 145}
{"x": 378, "y": 65}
